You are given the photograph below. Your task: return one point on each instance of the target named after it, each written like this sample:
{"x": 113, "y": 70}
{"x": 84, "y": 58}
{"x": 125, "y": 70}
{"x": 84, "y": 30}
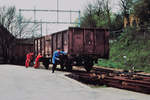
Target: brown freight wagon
{"x": 84, "y": 46}
{"x": 6, "y": 45}
{"x": 20, "y": 49}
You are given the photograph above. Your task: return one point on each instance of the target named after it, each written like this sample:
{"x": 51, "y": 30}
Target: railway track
{"x": 119, "y": 79}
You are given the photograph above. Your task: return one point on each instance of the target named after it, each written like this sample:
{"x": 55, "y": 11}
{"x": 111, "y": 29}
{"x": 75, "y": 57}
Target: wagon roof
{"x": 25, "y": 41}
{"x": 92, "y": 28}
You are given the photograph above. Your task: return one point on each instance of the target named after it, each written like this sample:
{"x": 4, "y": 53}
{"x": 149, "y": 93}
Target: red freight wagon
{"x": 84, "y": 46}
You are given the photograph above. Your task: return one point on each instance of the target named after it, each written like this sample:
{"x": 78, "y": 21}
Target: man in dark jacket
{"x": 56, "y": 58}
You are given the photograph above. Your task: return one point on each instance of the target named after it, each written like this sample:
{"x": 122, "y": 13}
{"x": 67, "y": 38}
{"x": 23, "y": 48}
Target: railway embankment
{"x": 130, "y": 51}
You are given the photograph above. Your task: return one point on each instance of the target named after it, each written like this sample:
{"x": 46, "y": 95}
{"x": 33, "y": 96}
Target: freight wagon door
{"x": 100, "y": 42}
{"x": 48, "y": 46}
{"x": 36, "y": 47}
{"x": 88, "y": 41}
{"x": 76, "y": 40}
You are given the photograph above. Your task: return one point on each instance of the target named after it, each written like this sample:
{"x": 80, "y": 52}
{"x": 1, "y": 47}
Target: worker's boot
{"x": 53, "y": 68}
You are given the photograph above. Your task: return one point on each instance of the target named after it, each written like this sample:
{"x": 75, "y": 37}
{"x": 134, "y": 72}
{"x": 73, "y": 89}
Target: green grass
{"x": 137, "y": 52}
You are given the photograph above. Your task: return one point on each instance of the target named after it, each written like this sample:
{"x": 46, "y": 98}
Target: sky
{"x": 52, "y": 5}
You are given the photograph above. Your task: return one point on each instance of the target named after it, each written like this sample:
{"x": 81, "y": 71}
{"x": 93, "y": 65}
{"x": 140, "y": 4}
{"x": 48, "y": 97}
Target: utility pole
{"x": 51, "y": 22}
{"x": 57, "y": 21}
{"x": 41, "y": 28}
{"x": 34, "y": 21}
{"x": 19, "y": 22}
{"x": 46, "y": 29}
{"x": 57, "y": 11}
{"x": 79, "y": 19}
{"x": 70, "y": 17}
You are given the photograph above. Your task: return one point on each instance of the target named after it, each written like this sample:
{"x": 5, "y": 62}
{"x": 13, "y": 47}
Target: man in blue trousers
{"x": 56, "y": 58}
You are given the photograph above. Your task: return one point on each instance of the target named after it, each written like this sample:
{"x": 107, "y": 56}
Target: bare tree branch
{"x": 11, "y": 20}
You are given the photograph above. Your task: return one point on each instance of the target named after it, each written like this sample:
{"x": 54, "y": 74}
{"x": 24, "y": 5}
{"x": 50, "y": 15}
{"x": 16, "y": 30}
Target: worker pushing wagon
{"x": 84, "y": 47}
{"x": 56, "y": 58}
{"x": 36, "y": 65}
{"x": 29, "y": 57}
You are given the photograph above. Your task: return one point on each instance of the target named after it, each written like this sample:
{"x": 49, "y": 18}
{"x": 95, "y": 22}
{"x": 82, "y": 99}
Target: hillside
{"x": 131, "y": 50}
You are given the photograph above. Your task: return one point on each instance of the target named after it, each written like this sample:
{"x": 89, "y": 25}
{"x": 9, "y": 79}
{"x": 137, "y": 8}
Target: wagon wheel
{"x": 46, "y": 66}
{"x": 88, "y": 68}
{"x": 62, "y": 67}
{"x": 46, "y": 62}
{"x": 68, "y": 66}
{"x": 88, "y": 65}
{"x": 63, "y": 60}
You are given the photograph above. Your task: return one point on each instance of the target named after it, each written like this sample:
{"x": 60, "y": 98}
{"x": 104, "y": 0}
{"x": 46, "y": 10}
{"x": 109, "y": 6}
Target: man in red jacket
{"x": 28, "y": 59}
{"x": 36, "y": 65}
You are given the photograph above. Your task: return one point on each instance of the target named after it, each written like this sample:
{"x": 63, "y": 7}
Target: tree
{"x": 12, "y": 21}
{"x": 126, "y": 8}
{"x": 117, "y": 22}
{"x": 88, "y": 19}
{"x": 107, "y": 9}
{"x": 142, "y": 10}
{"x": 103, "y": 13}
{"x": 97, "y": 14}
